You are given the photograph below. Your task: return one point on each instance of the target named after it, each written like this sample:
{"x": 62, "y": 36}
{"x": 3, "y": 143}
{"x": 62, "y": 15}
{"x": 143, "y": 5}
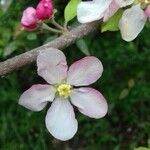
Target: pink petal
{"x": 37, "y": 97}
{"x": 29, "y": 19}
{"x": 147, "y": 11}
{"x": 85, "y": 71}
{"x": 90, "y": 102}
{"x": 44, "y": 9}
{"x": 60, "y": 120}
{"x": 52, "y": 65}
{"x": 113, "y": 8}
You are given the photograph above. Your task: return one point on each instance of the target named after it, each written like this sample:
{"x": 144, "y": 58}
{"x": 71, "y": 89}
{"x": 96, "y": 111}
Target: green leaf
{"x": 81, "y": 44}
{"x": 71, "y": 10}
{"x": 10, "y": 48}
{"x": 112, "y": 23}
{"x": 124, "y": 93}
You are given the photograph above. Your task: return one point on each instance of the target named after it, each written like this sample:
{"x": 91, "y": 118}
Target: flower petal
{"x": 124, "y": 3}
{"x": 29, "y": 19}
{"x": 130, "y": 24}
{"x": 37, "y": 97}
{"x": 90, "y": 102}
{"x": 147, "y": 12}
{"x": 52, "y": 65}
{"x": 92, "y": 10}
{"x": 85, "y": 71}
{"x": 60, "y": 120}
{"x": 113, "y": 8}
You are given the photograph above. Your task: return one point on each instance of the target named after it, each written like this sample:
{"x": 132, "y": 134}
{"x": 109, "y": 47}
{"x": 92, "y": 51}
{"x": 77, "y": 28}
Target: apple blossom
{"x": 63, "y": 89}
{"x": 31, "y": 16}
{"x": 97, "y": 9}
{"x": 114, "y": 6}
{"x": 112, "y": 9}
{"x": 130, "y": 25}
{"x": 29, "y": 20}
{"x": 44, "y": 9}
{"x": 89, "y": 11}
{"x": 133, "y": 20}
{"x": 124, "y": 3}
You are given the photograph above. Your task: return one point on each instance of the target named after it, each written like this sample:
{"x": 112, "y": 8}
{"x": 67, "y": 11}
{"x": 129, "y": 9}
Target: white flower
{"x": 63, "y": 91}
{"x": 132, "y": 22}
{"x": 97, "y": 9}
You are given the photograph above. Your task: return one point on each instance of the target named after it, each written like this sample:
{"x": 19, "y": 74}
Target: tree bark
{"x": 61, "y": 42}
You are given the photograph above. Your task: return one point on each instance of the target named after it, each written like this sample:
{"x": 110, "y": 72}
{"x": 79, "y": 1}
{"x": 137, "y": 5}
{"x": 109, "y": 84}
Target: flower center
{"x": 64, "y": 90}
{"x": 144, "y": 2}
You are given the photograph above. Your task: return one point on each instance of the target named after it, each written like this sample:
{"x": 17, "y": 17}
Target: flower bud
{"x": 147, "y": 11}
{"x": 44, "y": 9}
{"x": 29, "y": 19}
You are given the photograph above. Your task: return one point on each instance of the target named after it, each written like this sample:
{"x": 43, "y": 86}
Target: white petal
{"x": 52, "y": 65}
{"x": 124, "y": 3}
{"x": 60, "y": 120}
{"x": 92, "y": 10}
{"x": 132, "y": 23}
{"x": 85, "y": 71}
{"x": 37, "y": 97}
{"x": 90, "y": 102}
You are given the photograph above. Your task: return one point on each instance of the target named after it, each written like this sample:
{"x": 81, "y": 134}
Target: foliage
{"x": 70, "y": 10}
{"x": 125, "y": 84}
{"x": 112, "y": 23}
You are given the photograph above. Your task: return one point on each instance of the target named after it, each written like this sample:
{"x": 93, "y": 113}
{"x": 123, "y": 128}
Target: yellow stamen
{"x": 64, "y": 90}
{"x": 144, "y": 2}
{"x": 147, "y": 1}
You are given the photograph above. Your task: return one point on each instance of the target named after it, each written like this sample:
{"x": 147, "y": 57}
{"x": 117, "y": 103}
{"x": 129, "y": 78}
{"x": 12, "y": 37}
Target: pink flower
{"x": 63, "y": 89}
{"x": 147, "y": 11}
{"x": 44, "y": 9}
{"x": 29, "y": 19}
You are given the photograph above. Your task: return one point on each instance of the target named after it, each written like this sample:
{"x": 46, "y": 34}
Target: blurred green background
{"x": 125, "y": 84}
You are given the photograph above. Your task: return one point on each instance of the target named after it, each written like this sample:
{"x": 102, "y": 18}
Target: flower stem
{"x": 46, "y": 27}
{"x": 56, "y": 24}
{"x": 65, "y": 26}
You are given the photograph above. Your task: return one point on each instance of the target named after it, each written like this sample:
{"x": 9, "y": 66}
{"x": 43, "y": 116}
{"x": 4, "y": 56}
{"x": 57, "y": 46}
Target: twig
{"x": 46, "y": 27}
{"x": 58, "y": 26}
{"x": 61, "y": 42}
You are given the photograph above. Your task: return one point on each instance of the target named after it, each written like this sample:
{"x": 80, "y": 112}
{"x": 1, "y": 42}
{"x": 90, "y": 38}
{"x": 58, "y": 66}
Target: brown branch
{"x": 61, "y": 42}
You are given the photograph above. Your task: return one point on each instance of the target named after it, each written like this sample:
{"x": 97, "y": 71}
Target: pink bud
{"x": 147, "y": 11}
{"x": 44, "y": 9}
{"x": 29, "y": 19}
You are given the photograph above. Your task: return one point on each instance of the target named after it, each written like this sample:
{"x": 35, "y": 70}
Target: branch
{"x": 61, "y": 42}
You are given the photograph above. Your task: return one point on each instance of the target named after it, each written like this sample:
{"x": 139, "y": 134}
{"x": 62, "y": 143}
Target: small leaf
{"x": 112, "y": 23}
{"x": 10, "y": 48}
{"x": 124, "y": 93}
{"x": 81, "y": 44}
{"x": 71, "y": 10}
